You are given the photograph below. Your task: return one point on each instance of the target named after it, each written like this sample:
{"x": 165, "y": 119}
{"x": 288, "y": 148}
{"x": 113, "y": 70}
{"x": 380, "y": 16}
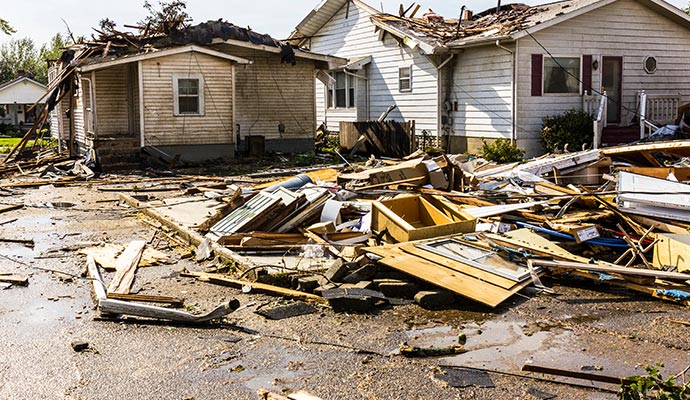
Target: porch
{"x": 651, "y": 112}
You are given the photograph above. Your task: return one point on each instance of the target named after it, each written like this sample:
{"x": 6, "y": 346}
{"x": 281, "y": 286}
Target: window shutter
{"x": 587, "y": 74}
{"x": 537, "y": 70}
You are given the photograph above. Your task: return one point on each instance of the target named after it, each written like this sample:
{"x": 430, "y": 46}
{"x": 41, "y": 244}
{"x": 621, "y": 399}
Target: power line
{"x": 634, "y": 112}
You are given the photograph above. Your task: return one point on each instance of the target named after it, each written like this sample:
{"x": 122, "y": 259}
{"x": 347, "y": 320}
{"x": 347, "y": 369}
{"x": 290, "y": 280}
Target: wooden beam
{"x": 126, "y": 267}
{"x": 614, "y": 269}
{"x": 192, "y": 237}
{"x": 575, "y": 374}
{"x": 256, "y": 286}
{"x": 174, "y": 301}
{"x": 119, "y": 307}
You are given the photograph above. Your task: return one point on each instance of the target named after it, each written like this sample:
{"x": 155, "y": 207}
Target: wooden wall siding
{"x": 483, "y": 91}
{"x": 624, "y": 28}
{"x": 354, "y": 37}
{"x": 113, "y": 102}
{"x": 269, "y": 92}
{"x": 161, "y": 127}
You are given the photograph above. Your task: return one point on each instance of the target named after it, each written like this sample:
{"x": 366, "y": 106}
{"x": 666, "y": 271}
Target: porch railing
{"x": 596, "y": 106}
{"x": 656, "y": 111}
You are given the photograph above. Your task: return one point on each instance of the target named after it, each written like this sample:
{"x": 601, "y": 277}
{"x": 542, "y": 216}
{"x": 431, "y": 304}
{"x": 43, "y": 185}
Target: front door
{"x": 612, "y": 83}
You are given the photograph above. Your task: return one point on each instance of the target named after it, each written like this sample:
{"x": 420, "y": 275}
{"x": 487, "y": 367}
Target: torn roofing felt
{"x": 125, "y": 43}
{"x": 489, "y": 24}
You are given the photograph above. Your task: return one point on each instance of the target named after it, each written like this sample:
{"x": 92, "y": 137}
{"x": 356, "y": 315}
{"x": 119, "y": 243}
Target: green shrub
{"x": 501, "y": 151}
{"x": 653, "y": 386}
{"x": 574, "y": 128}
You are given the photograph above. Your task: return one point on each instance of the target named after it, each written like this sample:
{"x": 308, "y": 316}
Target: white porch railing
{"x": 596, "y": 106}
{"x": 656, "y": 111}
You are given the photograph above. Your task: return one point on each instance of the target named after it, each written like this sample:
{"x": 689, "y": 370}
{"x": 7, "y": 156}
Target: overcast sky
{"x": 42, "y": 19}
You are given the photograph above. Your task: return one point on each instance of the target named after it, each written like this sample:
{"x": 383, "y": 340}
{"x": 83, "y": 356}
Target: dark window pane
{"x": 351, "y": 98}
{"x": 188, "y": 86}
{"x": 340, "y": 97}
{"x": 189, "y": 105}
{"x": 562, "y": 75}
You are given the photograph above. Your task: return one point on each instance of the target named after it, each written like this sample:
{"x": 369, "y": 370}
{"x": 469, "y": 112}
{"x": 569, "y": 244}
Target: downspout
{"x": 439, "y": 100}
{"x": 513, "y": 88}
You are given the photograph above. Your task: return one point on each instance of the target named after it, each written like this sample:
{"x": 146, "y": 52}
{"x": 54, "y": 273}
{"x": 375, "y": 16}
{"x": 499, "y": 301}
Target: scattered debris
{"x": 283, "y": 311}
{"x": 410, "y": 351}
{"x": 464, "y": 377}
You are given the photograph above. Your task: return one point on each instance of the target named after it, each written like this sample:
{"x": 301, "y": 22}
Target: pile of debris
{"x": 434, "y": 230}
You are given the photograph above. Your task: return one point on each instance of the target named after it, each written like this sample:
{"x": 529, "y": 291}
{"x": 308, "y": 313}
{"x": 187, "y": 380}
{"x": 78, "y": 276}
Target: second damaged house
{"x": 498, "y": 73}
{"x": 199, "y": 93}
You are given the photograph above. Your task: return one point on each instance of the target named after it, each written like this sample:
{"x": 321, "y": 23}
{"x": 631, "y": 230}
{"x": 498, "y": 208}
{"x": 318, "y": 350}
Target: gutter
{"x": 513, "y": 89}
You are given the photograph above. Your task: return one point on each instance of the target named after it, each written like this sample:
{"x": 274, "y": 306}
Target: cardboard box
{"x": 411, "y": 218}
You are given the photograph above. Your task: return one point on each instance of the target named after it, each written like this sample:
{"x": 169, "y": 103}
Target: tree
{"x": 19, "y": 55}
{"x": 22, "y": 55}
{"x": 53, "y": 49}
{"x": 5, "y": 27}
{"x": 171, "y": 16}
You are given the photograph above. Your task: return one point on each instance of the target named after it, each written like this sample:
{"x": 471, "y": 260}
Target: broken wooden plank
{"x": 126, "y": 267}
{"x": 189, "y": 235}
{"x": 457, "y": 282}
{"x": 146, "y": 298}
{"x": 255, "y": 286}
{"x": 614, "y": 269}
{"x": 14, "y": 279}
{"x": 25, "y": 242}
{"x": 4, "y": 209}
{"x": 575, "y": 374}
{"x": 119, "y": 307}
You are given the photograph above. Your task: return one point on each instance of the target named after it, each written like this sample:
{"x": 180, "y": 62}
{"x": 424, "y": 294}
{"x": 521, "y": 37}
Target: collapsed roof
{"x": 510, "y": 22}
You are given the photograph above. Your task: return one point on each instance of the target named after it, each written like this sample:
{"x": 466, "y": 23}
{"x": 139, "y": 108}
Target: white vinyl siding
{"x": 355, "y": 37}
{"x": 112, "y": 101}
{"x": 625, "y": 29}
{"x": 483, "y": 92}
{"x": 161, "y": 127}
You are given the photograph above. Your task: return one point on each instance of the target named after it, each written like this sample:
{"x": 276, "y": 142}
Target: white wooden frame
{"x": 408, "y": 78}
{"x": 176, "y": 95}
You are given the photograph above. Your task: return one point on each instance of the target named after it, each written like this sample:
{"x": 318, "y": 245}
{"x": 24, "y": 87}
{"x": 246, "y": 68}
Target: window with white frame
{"x": 405, "y": 79}
{"x": 342, "y": 93}
{"x": 188, "y": 93}
{"x": 562, "y": 75}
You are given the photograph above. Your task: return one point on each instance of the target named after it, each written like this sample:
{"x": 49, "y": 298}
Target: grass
{"x": 6, "y": 144}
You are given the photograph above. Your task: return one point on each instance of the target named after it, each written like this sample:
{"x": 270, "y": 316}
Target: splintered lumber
{"x": 126, "y": 267}
{"x": 144, "y": 298}
{"x": 677, "y": 293}
{"x": 615, "y": 269}
{"x": 25, "y": 242}
{"x": 575, "y": 374}
{"x": 14, "y": 279}
{"x": 534, "y": 243}
{"x": 120, "y": 307}
{"x": 4, "y": 209}
{"x": 410, "y": 351}
{"x": 189, "y": 235}
{"x": 256, "y": 286}
{"x": 463, "y": 284}
{"x": 106, "y": 256}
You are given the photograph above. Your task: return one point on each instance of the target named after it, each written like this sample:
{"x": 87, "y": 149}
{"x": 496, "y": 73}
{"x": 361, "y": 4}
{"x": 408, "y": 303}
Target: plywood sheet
{"x": 457, "y": 282}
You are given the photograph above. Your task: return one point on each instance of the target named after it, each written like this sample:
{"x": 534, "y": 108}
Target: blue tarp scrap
{"x": 675, "y": 294}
